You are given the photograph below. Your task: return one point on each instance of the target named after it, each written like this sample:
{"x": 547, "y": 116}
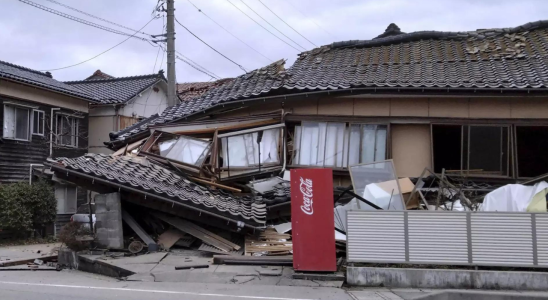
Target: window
{"x": 66, "y": 196}
{"x": 531, "y": 144}
{"x": 38, "y": 122}
{"x": 16, "y": 123}
{"x": 185, "y": 149}
{"x": 476, "y": 149}
{"x": 338, "y": 145}
{"x": 252, "y": 149}
{"x": 67, "y": 131}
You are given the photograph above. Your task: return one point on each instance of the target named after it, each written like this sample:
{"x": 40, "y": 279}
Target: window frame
{"x": 74, "y": 137}
{"x": 346, "y": 143}
{"x": 43, "y": 113}
{"x": 29, "y": 122}
{"x": 465, "y": 160}
{"x": 65, "y": 188}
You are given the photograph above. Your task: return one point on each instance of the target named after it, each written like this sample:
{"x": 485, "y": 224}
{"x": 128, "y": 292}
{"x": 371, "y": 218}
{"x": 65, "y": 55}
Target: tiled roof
{"x": 116, "y": 90}
{"x": 483, "y": 59}
{"x": 190, "y": 90}
{"x": 39, "y": 79}
{"x": 248, "y": 85}
{"x": 99, "y": 75}
{"x": 146, "y": 176}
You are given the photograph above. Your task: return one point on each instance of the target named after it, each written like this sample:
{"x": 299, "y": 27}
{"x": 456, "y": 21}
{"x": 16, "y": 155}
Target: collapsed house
{"x": 468, "y": 106}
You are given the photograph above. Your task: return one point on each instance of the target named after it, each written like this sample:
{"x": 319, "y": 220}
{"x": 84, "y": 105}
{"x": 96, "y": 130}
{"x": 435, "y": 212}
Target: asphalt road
{"x": 75, "y": 285}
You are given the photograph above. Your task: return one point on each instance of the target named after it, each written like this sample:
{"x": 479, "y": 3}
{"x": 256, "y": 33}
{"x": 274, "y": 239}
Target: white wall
{"x": 149, "y": 103}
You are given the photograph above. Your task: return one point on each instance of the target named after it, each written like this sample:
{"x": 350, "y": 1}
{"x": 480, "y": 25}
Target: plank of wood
{"x": 191, "y": 267}
{"x": 221, "y": 186}
{"x": 15, "y": 262}
{"x": 169, "y": 238}
{"x": 130, "y": 221}
{"x": 129, "y": 148}
{"x": 213, "y": 235}
{"x": 187, "y": 227}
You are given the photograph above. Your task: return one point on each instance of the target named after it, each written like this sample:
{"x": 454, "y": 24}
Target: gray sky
{"x": 40, "y": 40}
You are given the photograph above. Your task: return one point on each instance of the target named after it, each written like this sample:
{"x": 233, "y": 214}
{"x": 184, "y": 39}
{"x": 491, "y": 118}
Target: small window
{"x": 16, "y": 123}
{"x": 66, "y": 196}
{"x": 38, "y": 122}
{"x": 67, "y": 131}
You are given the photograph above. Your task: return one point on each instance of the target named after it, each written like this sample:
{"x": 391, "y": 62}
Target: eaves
{"x": 50, "y": 90}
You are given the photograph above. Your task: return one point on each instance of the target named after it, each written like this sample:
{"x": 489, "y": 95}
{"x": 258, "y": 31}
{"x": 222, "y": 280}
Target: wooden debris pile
{"x": 269, "y": 243}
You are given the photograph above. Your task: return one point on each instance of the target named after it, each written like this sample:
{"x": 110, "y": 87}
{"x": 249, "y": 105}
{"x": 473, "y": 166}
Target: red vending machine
{"x": 312, "y": 220}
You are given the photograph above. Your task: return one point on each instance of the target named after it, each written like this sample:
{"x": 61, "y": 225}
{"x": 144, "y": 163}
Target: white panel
{"x": 542, "y": 239}
{"x": 502, "y": 238}
{"x": 437, "y": 237}
{"x": 375, "y": 236}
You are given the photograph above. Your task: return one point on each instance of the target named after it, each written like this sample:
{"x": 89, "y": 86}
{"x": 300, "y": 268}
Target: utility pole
{"x": 171, "y": 80}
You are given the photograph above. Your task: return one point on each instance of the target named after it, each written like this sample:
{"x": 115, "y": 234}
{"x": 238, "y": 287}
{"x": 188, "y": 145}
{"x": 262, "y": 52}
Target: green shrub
{"x": 25, "y": 207}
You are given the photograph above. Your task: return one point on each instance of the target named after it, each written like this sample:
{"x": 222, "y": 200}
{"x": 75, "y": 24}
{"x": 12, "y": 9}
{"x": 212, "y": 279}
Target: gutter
{"x": 147, "y": 194}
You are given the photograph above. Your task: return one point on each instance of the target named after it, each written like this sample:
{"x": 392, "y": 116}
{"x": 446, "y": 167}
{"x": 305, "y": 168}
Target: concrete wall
{"x": 411, "y": 148}
{"x": 108, "y": 212}
{"x": 99, "y": 128}
{"x": 24, "y": 92}
{"x": 446, "y": 279}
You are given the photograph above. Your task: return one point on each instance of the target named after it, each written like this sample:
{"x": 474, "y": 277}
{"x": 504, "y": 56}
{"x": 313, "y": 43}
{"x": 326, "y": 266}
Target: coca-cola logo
{"x": 306, "y": 190}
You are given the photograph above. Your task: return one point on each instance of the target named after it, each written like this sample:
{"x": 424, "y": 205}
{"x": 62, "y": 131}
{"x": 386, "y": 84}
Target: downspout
{"x": 51, "y": 132}
{"x": 30, "y": 171}
{"x": 117, "y": 117}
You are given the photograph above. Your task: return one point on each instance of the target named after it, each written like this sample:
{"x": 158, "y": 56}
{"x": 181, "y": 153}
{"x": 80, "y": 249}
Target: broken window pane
{"x": 184, "y": 149}
{"x": 377, "y": 183}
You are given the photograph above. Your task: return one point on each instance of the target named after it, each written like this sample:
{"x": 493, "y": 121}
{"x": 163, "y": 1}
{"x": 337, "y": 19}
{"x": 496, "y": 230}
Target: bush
{"x": 25, "y": 207}
{"x": 68, "y": 235}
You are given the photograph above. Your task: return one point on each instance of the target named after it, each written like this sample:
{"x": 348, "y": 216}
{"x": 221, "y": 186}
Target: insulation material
{"x": 517, "y": 197}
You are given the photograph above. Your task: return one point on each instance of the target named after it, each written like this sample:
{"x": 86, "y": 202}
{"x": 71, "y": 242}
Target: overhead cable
{"x": 272, "y": 25}
{"x": 199, "y": 10}
{"x": 311, "y": 19}
{"x": 96, "y": 17}
{"x": 197, "y": 65}
{"x": 101, "y": 52}
{"x": 284, "y": 23}
{"x": 85, "y": 22}
{"x": 240, "y": 66}
{"x": 263, "y": 26}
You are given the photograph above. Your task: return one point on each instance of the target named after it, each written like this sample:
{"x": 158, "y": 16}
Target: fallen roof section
{"x": 143, "y": 176}
{"x": 117, "y": 90}
{"x": 189, "y": 90}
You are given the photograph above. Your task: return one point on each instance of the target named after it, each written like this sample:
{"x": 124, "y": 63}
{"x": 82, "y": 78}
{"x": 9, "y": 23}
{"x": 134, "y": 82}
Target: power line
{"x": 101, "y": 52}
{"x": 284, "y": 23}
{"x": 197, "y": 69}
{"x": 272, "y": 25}
{"x": 263, "y": 26}
{"x": 159, "y": 48}
{"x": 240, "y": 66}
{"x": 85, "y": 22}
{"x": 311, "y": 19}
{"x": 198, "y": 65}
{"x": 199, "y": 10}
{"x": 95, "y": 17}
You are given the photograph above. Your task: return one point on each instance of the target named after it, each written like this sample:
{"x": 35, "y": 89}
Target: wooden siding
{"x": 16, "y": 156}
{"x": 126, "y": 122}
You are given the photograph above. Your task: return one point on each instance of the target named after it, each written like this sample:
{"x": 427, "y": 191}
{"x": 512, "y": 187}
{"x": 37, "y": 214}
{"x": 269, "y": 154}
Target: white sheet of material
{"x": 243, "y": 150}
{"x": 513, "y": 197}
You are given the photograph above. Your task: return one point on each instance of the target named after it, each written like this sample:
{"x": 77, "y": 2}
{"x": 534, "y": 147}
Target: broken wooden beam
{"x": 286, "y": 260}
{"x": 191, "y": 267}
{"x": 24, "y": 261}
{"x": 151, "y": 244}
{"x": 197, "y": 232}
